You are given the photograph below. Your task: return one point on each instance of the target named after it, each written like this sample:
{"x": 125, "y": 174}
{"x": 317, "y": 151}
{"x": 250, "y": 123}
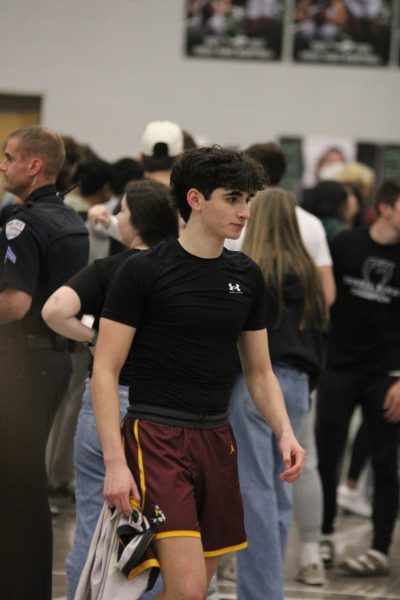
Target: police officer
{"x": 41, "y": 246}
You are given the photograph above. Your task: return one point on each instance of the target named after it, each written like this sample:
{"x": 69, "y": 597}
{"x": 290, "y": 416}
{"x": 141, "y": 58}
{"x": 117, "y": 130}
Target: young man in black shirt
{"x": 363, "y": 368}
{"x": 42, "y": 244}
{"x": 185, "y": 305}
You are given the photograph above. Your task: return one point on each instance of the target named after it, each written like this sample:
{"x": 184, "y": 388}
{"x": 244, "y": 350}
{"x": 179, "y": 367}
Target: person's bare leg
{"x": 211, "y": 566}
{"x": 186, "y": 573}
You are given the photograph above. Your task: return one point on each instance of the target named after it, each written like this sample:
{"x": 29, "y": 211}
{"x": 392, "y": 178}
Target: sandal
{"x": 371, "y": 564}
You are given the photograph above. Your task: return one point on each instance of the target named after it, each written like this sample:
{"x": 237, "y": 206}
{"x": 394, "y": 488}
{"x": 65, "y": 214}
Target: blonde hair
{"x": 355, "y": 172}
{"x": 274, "y": 242}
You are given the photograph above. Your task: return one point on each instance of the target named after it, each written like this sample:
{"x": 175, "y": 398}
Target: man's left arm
{"x": 266, "y": 393}
{"x": 391, "y": 404}
{"x": 14, "y": 304}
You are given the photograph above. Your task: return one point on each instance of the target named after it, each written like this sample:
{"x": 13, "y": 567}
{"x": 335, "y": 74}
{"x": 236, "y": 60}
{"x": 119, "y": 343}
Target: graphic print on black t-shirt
{"x": 365, "y": 332}
{"x": 374, "y": 284}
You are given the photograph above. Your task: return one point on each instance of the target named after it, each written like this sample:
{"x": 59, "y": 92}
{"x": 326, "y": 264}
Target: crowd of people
{"x": 181, "y": 334}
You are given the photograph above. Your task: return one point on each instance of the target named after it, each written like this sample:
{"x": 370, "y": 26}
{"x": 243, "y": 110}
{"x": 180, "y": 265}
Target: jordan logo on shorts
{"x": 158, "y": 517}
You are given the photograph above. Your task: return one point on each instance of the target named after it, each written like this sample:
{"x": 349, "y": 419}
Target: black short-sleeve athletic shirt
{"x": 188, "y": 313}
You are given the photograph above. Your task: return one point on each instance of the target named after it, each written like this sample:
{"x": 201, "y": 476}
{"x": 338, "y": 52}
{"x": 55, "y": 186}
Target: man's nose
{"x": 244, "y": 212}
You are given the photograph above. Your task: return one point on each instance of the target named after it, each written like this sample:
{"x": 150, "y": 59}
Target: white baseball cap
{"x": 162, "y": 132}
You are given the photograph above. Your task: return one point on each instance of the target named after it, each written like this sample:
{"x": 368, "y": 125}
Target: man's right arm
{"x": 113, "y": 345}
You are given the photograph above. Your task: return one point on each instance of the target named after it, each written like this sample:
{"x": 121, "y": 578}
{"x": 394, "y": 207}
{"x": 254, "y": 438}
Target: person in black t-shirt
{"x": 42, "y": 244}
{"x": 183, "y": 307}
{"x": 363, "y": 368}
{"x": 146, "y": 217}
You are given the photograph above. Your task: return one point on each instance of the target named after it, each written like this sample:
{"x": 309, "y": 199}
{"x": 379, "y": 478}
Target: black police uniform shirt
{"x": 188, "y": 313}
{"x": 91, "y": 285}
{"x": 365, "y": 319}
{"x": 42, "y": 244}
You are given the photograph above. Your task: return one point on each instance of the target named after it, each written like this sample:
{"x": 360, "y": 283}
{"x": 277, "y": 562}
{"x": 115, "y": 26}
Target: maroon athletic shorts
{"x": 188, "y": 482}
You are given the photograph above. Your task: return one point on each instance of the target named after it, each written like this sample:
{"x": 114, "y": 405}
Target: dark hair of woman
{"x": 152, "y": 213}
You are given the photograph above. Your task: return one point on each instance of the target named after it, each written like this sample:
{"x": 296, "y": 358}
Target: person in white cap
{"x": 162, "y": 143}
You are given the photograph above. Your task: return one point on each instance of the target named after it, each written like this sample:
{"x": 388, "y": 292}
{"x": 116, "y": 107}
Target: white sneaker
{"x": 353, "y": 501}
{"x": 312, "y": 574}
{"x": 371, "y": 564}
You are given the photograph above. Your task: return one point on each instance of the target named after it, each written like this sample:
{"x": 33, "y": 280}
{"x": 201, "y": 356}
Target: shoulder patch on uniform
{"x": 10, "y": 256}
{"x": 14, "y": 228}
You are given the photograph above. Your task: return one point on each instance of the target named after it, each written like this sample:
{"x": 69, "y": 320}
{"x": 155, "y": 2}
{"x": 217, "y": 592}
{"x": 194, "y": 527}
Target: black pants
{"x": 338, "y": 395}
{"x": 359, "y": 453}
{"x": 32, "y": 383}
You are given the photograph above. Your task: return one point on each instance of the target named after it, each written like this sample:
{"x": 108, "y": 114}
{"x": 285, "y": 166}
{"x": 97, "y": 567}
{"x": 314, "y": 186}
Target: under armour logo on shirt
{"x": 234, "y": 288}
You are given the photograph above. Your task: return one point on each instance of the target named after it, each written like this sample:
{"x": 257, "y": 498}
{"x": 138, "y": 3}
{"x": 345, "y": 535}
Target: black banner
{"x": 235, "y": 29}
{"x": 347, "y": 32}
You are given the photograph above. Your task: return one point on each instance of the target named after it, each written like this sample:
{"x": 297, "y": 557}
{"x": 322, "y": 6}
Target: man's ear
{"x": 194, "y": 199}
{"x": 35, "y": 166}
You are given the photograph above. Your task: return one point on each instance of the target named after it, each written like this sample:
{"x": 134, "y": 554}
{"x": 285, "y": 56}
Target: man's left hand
{"x": 293, "y": 457}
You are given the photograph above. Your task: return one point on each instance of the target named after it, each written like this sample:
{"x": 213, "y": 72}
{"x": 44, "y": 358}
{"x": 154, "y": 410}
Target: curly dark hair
{"x": 209, "y": 168}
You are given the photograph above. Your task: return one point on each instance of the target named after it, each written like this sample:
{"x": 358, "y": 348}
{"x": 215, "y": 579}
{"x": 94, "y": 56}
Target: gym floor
{"x": 352, "y": 536}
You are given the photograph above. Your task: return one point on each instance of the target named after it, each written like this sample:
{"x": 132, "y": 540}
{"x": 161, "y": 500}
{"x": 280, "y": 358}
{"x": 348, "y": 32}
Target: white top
{"x": 313, "y": 235}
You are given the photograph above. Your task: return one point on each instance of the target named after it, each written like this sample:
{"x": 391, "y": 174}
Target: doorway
{"x": 17, "y": 111}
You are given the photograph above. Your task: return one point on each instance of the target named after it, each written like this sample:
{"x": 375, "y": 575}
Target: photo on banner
{"x": 360, "y": 163}
{"x": 234, "y": 29}
{"x": 347, "y": 32}
{"x": 312, "y": 158}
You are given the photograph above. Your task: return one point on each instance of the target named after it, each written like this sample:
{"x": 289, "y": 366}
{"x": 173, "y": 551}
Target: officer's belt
{"x": 32, "y": 341}
{"x": 178, "y": 418}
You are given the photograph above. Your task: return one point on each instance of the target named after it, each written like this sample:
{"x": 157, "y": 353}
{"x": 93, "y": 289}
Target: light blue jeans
{"x": 89, "y": 472}
{"x": 307, "y": 491}
{"x": 267, "y": 500}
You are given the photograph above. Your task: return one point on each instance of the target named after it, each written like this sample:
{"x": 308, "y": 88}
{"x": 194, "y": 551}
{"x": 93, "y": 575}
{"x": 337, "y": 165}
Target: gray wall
{"x": 106, "y": 68}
